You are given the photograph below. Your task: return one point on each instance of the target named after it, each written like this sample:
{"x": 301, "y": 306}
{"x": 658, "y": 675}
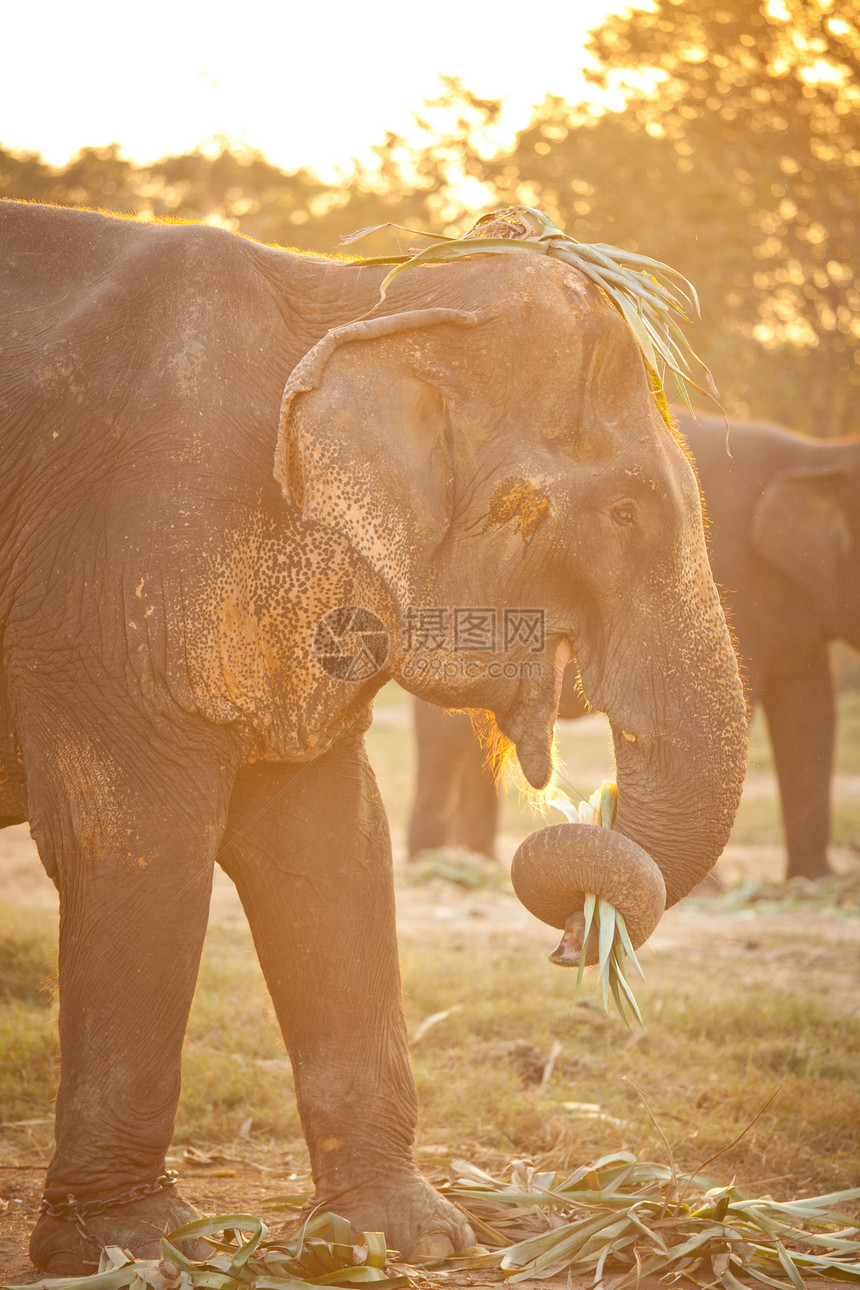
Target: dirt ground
{"x": 244, "y": 1177}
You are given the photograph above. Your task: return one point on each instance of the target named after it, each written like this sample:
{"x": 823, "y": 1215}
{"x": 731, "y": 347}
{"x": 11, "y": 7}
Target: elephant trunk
{"x": 680, "y": 770}
{"x": 555, "y": 867}
{"x": 680, "y": 780}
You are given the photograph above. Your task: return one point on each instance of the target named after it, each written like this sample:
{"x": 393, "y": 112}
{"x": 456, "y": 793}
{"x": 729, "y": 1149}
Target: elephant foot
{"x": 64, "y": 1247}
{"x": 416, "y": 1220}
{"x": 811, "y": 871}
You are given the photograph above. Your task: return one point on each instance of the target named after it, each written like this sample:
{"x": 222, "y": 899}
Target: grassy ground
{"x": 738, "y": 1004}
{"x": 735, "y": 1009}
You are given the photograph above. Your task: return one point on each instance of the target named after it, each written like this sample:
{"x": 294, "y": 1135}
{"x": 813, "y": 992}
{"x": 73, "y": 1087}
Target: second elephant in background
{"x": 784, "y": 534}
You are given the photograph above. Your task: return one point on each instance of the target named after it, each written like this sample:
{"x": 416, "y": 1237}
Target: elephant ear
{"x": 800, "y": 527}
{"x": 362, "y": 445}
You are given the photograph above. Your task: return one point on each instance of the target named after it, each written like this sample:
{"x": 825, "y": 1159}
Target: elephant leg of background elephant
{"x": 798, "y": 700}
{"x": 309, "y": 851}
{"x": 132, "y": 923}
{"x": 430, "y": 818}
{"x": 441, "y": 739}
{"x": 476, "y": 808}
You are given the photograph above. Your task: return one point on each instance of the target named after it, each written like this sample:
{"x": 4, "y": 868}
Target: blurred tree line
{"x": 735, "y": 158}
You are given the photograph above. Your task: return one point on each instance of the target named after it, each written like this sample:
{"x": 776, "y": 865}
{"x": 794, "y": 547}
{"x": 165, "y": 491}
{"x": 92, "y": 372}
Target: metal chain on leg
{"x": 71, "y": 1210}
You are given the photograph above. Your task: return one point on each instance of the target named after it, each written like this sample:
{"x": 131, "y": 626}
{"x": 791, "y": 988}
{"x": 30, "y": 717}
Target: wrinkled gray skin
{"x": 160, "y": 595}
{"x": 784, "y": 544}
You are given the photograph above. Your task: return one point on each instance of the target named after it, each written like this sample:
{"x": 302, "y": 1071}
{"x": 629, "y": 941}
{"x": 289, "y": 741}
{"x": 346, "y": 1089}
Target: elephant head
{"x": 490, "y": 444}
{"x": 807, "y": 525}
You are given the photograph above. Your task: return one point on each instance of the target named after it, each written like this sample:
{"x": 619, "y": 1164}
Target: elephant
{"x": 783, "y": 515}
{"x": 784, "y": 511}
{"x": 244, "y": 488}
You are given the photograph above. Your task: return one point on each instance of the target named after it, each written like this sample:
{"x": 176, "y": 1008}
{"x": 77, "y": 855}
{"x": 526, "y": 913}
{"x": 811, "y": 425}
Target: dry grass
{"x": 737, "y": 1004}
{"x": 723, "y": 1032}
{"x": 735, "y": 1007}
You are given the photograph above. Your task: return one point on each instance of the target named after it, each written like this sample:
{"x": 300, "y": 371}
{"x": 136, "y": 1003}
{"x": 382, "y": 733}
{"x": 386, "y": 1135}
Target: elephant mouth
{"x": 530, "y": 723}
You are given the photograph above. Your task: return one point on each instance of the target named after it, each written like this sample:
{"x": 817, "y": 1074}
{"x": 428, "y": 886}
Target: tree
{"x": 605, "y": 179}
{"x": 735, "y": 160}
{"x": 764, "y": 95}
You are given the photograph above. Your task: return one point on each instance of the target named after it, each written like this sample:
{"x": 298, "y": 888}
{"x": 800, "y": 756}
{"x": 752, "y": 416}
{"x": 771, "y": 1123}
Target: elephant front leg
{"x": 312, "y": 862}
{"x": 798, "y": 700}
{"x": 134, "y": 878}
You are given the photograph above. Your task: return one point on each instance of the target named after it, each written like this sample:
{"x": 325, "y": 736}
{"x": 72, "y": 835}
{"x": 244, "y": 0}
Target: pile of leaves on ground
{"x": 613, "y": 1221}
{"x": 619, "y": 1219}
{"x": 459, "y": 865}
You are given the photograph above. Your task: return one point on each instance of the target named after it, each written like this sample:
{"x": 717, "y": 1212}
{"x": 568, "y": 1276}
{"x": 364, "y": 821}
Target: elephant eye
{"x": 623, "y": 514}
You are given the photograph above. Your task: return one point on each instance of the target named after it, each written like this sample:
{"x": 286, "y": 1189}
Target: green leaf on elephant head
{"x": 650, "y": 295}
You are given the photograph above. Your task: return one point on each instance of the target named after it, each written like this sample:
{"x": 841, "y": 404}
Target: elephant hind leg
{"x": 799, "y": 703}
{"x": 476, "y": 812}
{"x": 308, "y": 848}
{"x": 455, "y": 797}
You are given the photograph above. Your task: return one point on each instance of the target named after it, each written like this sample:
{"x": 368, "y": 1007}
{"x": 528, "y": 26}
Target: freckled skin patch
{"x": 249, "y": 655}
{"x": 522, "y": 501}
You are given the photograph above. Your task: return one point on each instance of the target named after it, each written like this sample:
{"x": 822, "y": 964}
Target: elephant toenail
{"x": 432, "y": 1245}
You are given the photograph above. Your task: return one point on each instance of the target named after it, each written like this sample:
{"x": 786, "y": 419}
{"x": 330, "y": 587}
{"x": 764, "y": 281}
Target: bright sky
{"x": 310, "y": 84}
